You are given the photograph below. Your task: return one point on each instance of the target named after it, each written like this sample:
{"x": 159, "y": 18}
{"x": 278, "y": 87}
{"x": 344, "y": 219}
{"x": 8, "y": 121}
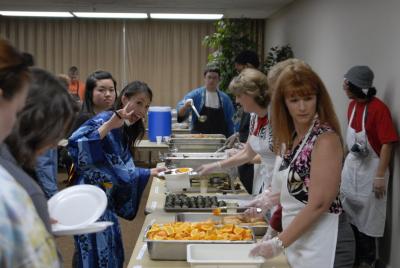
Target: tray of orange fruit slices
{"x": 168, "y": 241}
{"x": 259, "y": 225}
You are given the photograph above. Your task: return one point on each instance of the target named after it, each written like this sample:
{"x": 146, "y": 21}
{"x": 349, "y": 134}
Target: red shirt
{"x": 261, "y": 123}
{"x": 379, "y": 125}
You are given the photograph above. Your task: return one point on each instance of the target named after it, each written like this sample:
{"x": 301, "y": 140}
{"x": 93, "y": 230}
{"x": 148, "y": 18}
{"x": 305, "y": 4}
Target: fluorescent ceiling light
{"x": 110, "y": 15}
{"x": 186, "y": 16}
{"x": 35, "y": 14}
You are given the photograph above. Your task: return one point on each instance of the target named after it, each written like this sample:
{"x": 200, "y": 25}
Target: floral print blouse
{"x": 299, "y": 171}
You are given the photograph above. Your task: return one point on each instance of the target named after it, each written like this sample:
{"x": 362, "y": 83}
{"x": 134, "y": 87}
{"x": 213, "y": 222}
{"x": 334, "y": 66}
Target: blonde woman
{"x": 251, "y": 90}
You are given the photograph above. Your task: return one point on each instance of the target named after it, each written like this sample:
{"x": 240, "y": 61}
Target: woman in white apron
{"x": 304, "y": 119}
{"x": 365, "y": 173}
{"x": 251, "y": 91}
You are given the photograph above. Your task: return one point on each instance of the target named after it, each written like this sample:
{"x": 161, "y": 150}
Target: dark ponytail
{"x": 359, "y": 94}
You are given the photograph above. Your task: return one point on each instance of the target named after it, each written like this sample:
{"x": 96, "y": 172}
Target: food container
{"x": 176, "y": 249}
{"x": 222, "y": 256}
{"x": 177, "y": 179}
{"x": 193, "y": 160}
{"x": 258, "y": 230}
{"x": 192, "y": 182}
{"x": 197, "y": 137}
{"x": 184, "y": 203}
{"x": 196, "y": 142}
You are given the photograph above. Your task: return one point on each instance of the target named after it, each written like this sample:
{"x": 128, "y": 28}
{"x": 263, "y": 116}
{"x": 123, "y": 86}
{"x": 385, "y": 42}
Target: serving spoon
{"x": 202, "y": 118}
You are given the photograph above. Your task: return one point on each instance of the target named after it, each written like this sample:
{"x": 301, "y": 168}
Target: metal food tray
{"x": 176, "y": 249}
{"x": 198, "y": 136}
{"x": 194, "y": 147}
{"x": 197, "y": 140}
{"x": 193, "y": 160}
{"x": 241, "y": 200}
{"x": 238, "y": 208}
{"x": 258, "y": 230}
{"x": 194, "y": 143}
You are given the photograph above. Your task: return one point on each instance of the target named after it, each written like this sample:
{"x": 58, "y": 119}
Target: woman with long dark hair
{"x": 100, "y": 95}
{"x": 102, "y": 152}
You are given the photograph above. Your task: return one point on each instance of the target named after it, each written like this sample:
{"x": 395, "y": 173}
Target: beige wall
{"x": 334, "y": 35}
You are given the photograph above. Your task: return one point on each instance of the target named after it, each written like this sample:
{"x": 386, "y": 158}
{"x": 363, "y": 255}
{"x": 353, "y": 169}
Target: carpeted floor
{"x": 130, "y": 231}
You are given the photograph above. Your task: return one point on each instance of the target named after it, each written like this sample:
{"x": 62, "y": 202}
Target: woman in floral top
{"x": 304, "y": 120}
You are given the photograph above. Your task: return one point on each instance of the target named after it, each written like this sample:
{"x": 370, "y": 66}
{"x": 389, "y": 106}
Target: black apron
{"x": 215, "y": 123}
{"x": 246, "y": 171}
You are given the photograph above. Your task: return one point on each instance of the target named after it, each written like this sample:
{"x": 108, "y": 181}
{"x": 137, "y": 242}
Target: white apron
{"x": 263, "y": 175}
{"x": 317, "y": 247}
{"x": 363, "y": 209}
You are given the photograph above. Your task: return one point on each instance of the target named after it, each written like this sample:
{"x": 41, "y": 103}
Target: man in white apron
{"x": 369, "y": 139}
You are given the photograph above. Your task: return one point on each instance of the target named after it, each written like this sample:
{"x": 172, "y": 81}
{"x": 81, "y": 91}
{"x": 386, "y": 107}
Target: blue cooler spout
{"x": 159, "y": 122}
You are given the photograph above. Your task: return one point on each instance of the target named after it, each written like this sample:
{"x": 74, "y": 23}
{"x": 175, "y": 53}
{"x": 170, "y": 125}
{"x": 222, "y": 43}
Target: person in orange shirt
{"x": 76, "y": 87}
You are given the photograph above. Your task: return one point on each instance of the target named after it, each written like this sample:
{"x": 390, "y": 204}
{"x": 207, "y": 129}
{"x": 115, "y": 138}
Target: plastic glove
{"x": 268, "y": 249}
{"x": 265, "y": 200}
{"x": 188, "y": 102}
{"x": 239, "y": 145}
{"x": 271, "y": 233}
{"x": 379, "y": 187}
{"x": 208, "y": 168}
{"x": 252, "y": 213}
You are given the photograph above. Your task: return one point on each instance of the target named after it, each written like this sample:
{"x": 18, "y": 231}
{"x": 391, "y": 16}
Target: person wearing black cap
{"x": 370, "y": 137}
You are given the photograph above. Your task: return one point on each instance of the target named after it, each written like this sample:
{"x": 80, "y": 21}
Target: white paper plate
{"x": 95, "y": 227}
{"x": 77, "y": 206}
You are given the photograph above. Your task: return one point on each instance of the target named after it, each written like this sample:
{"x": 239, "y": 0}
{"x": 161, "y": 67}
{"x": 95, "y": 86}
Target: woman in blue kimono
{"x": 101, "y": 150}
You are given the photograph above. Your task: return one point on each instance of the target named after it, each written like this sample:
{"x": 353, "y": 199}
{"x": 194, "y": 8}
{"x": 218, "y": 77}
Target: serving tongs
{"x": 217, "y": 212}
{"x": 230, "y": 143}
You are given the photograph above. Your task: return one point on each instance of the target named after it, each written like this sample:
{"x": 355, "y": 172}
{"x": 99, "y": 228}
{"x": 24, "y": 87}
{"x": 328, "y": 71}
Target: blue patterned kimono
{"x": 108, "y": 164}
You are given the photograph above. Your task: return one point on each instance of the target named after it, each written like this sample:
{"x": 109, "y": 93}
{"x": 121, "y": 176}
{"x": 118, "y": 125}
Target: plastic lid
{"x": 160, "y": 109}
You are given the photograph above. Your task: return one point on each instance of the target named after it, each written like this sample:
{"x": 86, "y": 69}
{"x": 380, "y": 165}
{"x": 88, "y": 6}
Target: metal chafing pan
{"x": 196, "y": 142}
{"x": 258, "y": 230}
{"x": 194, "y": 147}
{"x": 174, "y": 209}
{"x": 224, "y": 206}
{"x": 193, "y": 160}
{"x": 197, "y": 136}
{"x": 176, "y": 249}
